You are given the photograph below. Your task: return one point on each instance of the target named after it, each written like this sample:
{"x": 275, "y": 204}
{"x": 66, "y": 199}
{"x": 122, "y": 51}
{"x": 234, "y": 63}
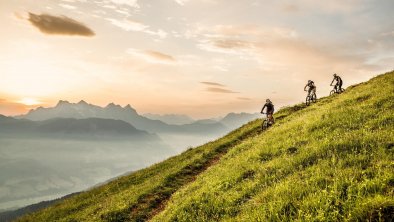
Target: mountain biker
{"x": 338, "y": 84}
{"x": 311, "y": 87}
{"x": 269, "y": 111}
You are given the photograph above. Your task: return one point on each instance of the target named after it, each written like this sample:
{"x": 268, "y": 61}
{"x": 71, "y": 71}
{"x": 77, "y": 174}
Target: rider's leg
{"x": 270, "y": 118}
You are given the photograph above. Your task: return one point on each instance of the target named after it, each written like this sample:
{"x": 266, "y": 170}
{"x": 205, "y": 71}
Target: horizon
{"x": 200, "y": 58}
{"x": 123, "y": 107}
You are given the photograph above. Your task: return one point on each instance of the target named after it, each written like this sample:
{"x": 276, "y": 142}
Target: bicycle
{"x": 336, "y": 90}
{"x": 311, "y": 97}
{"x": 266, "y": 123}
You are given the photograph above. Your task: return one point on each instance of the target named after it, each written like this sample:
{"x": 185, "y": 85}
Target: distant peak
{"x": 82, "y": 102}
{"x": 113, "y": 105}
{"x": 62, "y": 102}
{"x": 129, "y": 108}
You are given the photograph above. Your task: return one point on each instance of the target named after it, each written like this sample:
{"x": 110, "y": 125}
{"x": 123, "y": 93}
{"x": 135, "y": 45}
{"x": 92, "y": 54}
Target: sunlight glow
{"x": 29, "y": 101}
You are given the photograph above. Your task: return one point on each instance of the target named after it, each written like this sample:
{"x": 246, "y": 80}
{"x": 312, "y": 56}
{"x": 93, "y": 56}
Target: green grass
{"x": 331, "y": 161}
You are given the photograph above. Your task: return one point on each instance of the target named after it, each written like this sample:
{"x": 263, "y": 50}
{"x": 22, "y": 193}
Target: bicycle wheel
{"x": 308, "y": 100}
{"x": 332, "y": 92}
{"x": 264, "y": 125}
{"x": 314, "y": 98}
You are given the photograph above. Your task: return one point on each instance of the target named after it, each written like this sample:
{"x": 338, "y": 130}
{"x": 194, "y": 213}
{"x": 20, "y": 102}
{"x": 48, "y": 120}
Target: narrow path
{"x": 152, "y": 203}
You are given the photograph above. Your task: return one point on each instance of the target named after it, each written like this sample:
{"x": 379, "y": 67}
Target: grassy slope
{"x": 330, "y": 161}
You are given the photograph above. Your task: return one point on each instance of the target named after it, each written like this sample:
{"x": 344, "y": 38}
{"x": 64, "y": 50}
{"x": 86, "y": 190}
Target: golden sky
{"x": 202, "y": 58}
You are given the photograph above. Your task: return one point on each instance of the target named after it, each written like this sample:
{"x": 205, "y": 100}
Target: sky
{"x": 203, "y": 58}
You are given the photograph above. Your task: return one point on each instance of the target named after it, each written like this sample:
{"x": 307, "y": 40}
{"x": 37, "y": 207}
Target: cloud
{"x": 128, "y": 25}
{"x": 131, "y": 25}
{"x": 66, "y": 6}
{"x": 278, "y": 49}
{"x": 73, "y": 1}
{"x": 181, "y": 2}
{"x": 131, "y": 3}
{"x": 219, "y": 90}
{"x": 12, "y": 108}
{"x": 59, "y": 25}
{"x": 152, "y": 56}
{"x": 213, "y": 84}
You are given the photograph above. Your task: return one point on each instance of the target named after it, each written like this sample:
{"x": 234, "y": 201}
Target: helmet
{"x": 268, "y": 100}
{"x": 335, "y": 75}
{"x": 309, "y": 81}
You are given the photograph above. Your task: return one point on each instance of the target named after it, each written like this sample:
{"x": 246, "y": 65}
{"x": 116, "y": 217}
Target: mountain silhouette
{"x": 83, "y": 110}
{"x": 76, "y": 128}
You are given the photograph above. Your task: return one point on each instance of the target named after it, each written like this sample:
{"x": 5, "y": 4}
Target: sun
{"x": 29, "y": 101}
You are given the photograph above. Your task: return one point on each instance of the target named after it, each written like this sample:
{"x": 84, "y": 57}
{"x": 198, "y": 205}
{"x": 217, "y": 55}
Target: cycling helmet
{"x": 335, "y": 75}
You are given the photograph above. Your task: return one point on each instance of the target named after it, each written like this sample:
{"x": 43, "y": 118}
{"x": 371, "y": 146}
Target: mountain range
{"x": 89, "y": 128}
{"x": 83, "y": 110}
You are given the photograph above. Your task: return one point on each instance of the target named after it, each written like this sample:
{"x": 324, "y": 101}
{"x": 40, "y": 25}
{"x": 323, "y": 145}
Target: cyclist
{"x": 311, "y": 87}
{"x": 338, "y": 84}
{"x": 269, "y": 111}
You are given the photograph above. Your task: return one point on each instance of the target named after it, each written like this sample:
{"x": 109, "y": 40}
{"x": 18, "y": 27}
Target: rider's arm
{"x": 305, "y": 87}
{"x": 263, "y": 108}
{"x": 332, "y": 81}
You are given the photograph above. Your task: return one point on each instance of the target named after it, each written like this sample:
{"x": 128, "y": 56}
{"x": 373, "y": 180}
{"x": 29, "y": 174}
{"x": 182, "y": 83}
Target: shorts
{"x": 311, "y": 90}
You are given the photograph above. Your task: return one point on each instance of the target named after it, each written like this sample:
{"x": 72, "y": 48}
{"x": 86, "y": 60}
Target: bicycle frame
{"x": 336, "y": 89}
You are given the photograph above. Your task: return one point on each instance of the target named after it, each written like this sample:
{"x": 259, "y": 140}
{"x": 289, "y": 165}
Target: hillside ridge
{"x": 328, "y": 161}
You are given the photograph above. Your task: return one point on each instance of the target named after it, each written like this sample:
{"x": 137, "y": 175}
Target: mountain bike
{"x": 266, "y": 123}
{"x": 336, "y": 90}
{"x": 311, "y": 97}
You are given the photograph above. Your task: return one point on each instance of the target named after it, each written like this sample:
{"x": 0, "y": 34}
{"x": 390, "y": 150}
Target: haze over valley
{"x": 51, "y": 152}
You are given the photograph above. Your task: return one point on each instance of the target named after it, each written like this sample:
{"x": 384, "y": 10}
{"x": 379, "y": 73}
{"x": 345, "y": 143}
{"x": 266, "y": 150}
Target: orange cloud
{"x": 212, "y": 83}
{"x": 59, "y": 25}
{"x": 219, "y": 90}
{"x": 152, "y": 56}
{"x": 160, "y": 56}
{"x": 9, "y": 108}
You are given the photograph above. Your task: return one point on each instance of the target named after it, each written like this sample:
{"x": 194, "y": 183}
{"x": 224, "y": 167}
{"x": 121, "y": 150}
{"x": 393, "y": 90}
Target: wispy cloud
{"x": 277, "y": 48}
{"x": 216, "y": 87}
{"x": 10, "y": 108}
{"x": 151, "y": 56}
{"x": 128, "y": 24}
{"x": 67, "y": 6}
{"x": 181, "y": 2}
{"x": 59, "y": 25}
{"x": 220, "y": 90}
{"x": 131, "y": 3}
{"x": 72, "y": 1}
{"x": 213, "y": 84}
{"x": 131, "y": 25}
